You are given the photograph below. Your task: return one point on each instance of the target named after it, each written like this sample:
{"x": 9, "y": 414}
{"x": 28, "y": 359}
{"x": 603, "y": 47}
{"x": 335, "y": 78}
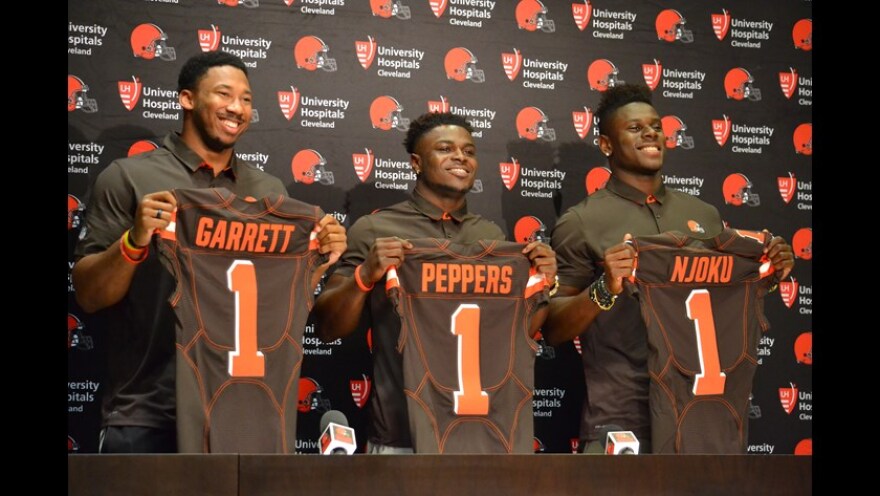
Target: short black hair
{"x": 618, "y": 96}
{"x": 198, "y": 65}
{"x": 429, "y": 121}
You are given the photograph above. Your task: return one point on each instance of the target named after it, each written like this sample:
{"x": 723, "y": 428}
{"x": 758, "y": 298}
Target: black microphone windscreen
{"x": 334, "y": 416}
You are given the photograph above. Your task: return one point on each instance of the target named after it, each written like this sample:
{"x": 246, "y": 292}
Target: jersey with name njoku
{"x": 702, "y": 301}
{"x": 243, "y": 270}
{"x": 468, "y": 358}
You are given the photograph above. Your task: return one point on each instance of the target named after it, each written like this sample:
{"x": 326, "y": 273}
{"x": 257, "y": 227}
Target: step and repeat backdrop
{"x": 336, "y": 83}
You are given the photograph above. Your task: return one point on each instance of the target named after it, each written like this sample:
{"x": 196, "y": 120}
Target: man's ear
{"x": 186, "y": 99}
{"x": 415, "y": 161}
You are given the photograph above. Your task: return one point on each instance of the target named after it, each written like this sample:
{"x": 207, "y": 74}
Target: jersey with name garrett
{"x": 243, "y": 270}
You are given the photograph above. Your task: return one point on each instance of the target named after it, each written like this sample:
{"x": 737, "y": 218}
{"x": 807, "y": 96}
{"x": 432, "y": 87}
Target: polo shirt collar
{"x": 429, "y": 209}
{"x": 624, "y": 190}
{"x": 191, "y": 159}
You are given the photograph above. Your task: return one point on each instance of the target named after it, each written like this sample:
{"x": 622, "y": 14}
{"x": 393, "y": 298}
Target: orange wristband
{"x": 360, "y": 282}
{"x": 131, "y": 255}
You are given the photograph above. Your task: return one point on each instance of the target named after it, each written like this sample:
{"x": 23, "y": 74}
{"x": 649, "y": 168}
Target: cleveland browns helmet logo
{"x": 802, "y": 243}
{"x": 802, "y": 35}
{"x": 531, "y": 15}
{"x": 738, "y": 191}
{"x": 528, "y": 229}
{"x": 308, "y": 167}
{"x": 460, "y": 65}
{"x": 77, "y": 99}
{"x": 803, "y": 348}
{"x": 673, "y": 129}
{"x": 670, "y": 27}
{"x": 148, "y": 42}
{"x": 385, "y": 114}
{"x": 738, "y": 85}
{"x": 311, "y": 53}
{"x": 75, "y": 209}
{"x": 602, "y": 74}
{"x": 311, "y": 397}
{"x": 390, "y": 8}
{"x": 803, "y": 139}
{"x": 141, "y": 146}
{"x": 597, "y": 178}
{"x": 531, "y": 124}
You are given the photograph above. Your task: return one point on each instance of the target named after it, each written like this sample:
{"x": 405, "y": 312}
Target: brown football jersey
{"x": 468, "y": 359}
{"x": 243, "y": 270}
{"x": 702, "y": 302}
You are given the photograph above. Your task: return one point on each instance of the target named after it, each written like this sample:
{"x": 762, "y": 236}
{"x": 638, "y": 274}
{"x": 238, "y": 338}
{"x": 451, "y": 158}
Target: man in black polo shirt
{"x": 444, "y": 157}
{"x": 114, "y": 271}
{"x": 593, "y": 260}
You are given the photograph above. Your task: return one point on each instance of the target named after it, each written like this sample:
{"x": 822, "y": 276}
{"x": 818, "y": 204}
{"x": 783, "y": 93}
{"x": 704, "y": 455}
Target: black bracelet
{"x": 600, "y": 295}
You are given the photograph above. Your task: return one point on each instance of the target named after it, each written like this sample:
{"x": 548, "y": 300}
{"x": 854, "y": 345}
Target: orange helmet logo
{"x": 597, "y": 178}
{"x": 802, "y": 243}
{"x": 738, "y": 85}
{"x": 803, "y": 348}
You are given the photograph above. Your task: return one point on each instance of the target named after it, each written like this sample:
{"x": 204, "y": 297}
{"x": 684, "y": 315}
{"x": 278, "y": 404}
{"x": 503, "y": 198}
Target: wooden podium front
{"x": 452, "y": 475}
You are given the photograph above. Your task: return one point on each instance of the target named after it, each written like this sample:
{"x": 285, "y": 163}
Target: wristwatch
{"x": 600, "y": 295}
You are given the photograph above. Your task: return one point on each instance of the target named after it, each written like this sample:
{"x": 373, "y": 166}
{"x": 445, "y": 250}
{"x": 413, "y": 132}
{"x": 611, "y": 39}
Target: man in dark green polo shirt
{"x": 114, "y": 270}
{"x": 593, "y": 260}
{"x": 444, "y": 157}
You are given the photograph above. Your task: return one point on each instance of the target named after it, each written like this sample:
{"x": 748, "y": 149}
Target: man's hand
{"x": 331, "y": 238}
{"x": 620, "y": 261}
{"x": 384, "y": 253}
{"x": 153, "y": 212}
{"x": 781, "y": 256}
{"x": 543, "y": 259}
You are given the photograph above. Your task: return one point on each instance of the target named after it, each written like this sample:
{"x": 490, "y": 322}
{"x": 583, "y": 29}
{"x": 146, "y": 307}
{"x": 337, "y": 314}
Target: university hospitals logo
{"x": 390, "y": 8}
{"x": 582, "y": 121}
{"x": 363, "y": 164}
{"x": 670, "y": 27}
{"x": 803, "y": 139}
{"x": 721, "y": 24}
{"x": 652, "y": 73}
{"x": 438, "y": 106}
{"x": 531, "y": 124}
{"x": 788, "y": 82}
{"x": 787, "y": 187}
{"x": 148, "y": 42}
{"x": 721, "y": 130}
{"x": 141, "y": 146}
{"x": 438, "y": 7}
{"x": 77, "y": 98}
{"x": 209, "y": 40}
{"x": 360, "y": 390}
{"x": 531, "y": 15}
{"x": 581, "y": 13}
{"x": 788, "y": 398}
{"x": 288, "y": 101}
{"x": 366, "y": 52}
{"x": 130, "y": 92}
{"x": 461, "y": 65}
{"x": 788, "y": 291}
{"x": 512, "y": 63}
{"x": 311, "y": 53}
{"x": 509, "y": 173}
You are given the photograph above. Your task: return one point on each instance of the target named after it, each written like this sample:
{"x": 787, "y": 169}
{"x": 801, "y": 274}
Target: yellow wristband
{"x": 133, "y": 256}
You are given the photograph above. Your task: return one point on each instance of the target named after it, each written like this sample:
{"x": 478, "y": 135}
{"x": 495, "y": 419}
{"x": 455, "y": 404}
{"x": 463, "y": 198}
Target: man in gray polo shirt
{"x": 114, "y": 270}
{"x": 593, "y": 260}
{"x": 444, "y": 157}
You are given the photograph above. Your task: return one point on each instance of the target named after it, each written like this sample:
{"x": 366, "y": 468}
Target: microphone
{"x": 337, "y": 437}
{"x": 620, "y": 442}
